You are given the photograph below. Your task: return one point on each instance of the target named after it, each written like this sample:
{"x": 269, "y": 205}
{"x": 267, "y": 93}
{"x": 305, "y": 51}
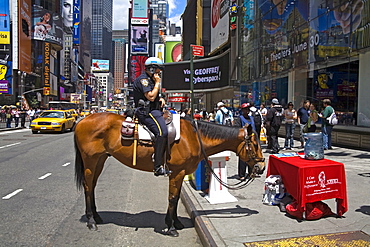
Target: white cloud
{"x": 177, "y": 20}
{"x": 120, "y": 14}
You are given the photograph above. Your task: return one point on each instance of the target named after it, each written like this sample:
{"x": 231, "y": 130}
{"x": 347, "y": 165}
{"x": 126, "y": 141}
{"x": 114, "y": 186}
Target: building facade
{"x": 306, "y": 50}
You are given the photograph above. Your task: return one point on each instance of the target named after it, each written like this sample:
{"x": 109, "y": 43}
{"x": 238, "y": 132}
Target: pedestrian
{"x": 273, "y": 121}
{"x": 303, "y": 114}
{"x": 263, "y": 111}
{"x": 149, "y": 104}
{"x": 15, "y": 113}
{"x": 312, "y": 119}
{"x": 197, "y": 115}
{"x": 223, "y": 115}
{"x": 257, "y": 117}
{"x": 326, "y": 127}
{"x": 8, "y": 116}
{"x": 3, "y": 117}
{"x": 204, "y": 114}
{"x": 212, "y": 116}
{"x": 31, "y": 114}
{"x": 242, "y": 120}
{"x": 23, "y": 115}
{"x": 186, "y": 113}
{"x": 290, "y": 115}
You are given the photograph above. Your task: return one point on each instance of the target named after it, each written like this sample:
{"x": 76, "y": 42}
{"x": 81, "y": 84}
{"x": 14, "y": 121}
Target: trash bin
{"x": 202, "y": 176}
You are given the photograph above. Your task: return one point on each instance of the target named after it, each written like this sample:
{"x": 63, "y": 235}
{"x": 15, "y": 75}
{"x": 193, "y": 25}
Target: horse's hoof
{"x": 98, "y": 219}
{"x": 171, "y": 232}
{"x": 178, "y": 225}
{"x": 92, "y": 226}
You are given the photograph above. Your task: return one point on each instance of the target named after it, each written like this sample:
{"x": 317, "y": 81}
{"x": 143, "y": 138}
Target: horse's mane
{"x": 217, "y": 131}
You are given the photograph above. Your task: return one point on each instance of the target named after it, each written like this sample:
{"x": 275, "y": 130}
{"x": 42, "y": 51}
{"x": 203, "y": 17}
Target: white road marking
{"x": 6, "y": 146}
{"x": 13, "y": 131}
{"x": 12, "y": 194}
{"x": 67, "y": 164}
{"x": 45, "y": 176}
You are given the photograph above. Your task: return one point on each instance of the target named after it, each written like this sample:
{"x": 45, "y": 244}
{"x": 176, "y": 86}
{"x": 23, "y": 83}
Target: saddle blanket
{"x": 145, "y": 135}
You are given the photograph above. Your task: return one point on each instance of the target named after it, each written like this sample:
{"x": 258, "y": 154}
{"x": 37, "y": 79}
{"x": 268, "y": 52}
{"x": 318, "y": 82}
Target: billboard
{"x": 219, "y": 23}
{"x": 173, "y": 51}
{"x": 67, "y": 12}
{"x": 100, "y": 65}
{"x": 159, "y": 51}
{"x": 137, "y": 66}
{"x": 209, "y": 73}
{"x": 76, "y": 22}
{"x": 139, "y": 39}
{"x": 46, "y": 67}
{"x": 47, "y": 26}
{"x": 140, "y": 9}
{"x": 5, "y": 75}
{"x": 4, "y": 22}
{"x": 24, "y": 35}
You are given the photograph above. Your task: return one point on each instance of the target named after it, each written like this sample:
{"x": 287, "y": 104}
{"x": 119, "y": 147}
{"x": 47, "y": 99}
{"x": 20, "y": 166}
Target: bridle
{"x": 246, "y": 143}
{"x": 251, "y": 149}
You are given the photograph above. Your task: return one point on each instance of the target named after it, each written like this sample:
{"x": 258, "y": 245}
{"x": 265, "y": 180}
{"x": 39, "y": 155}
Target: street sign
{"x": 198, "y": 50}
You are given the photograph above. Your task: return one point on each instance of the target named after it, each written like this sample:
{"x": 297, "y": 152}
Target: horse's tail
{"x": 79, "y": 167}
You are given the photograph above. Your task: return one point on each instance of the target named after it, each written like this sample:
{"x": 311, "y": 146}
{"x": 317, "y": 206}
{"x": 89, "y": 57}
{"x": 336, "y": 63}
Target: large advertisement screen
{"x": 24, "y": 35}
{"x": 76, "y": 22}
{"x": 173, "y": 51}
{"x": 4, "y": 22}
{"x": 139, "y": 39}
{"x": 137, "y": 66}
{"x": 100, "y": 65}
{"x": 47, "y": 26}
{"x": 219, "y": 23}
{"x": 5, "y": 74}
{"x": 209, "y": 73}
{"x": 140, "y": 9}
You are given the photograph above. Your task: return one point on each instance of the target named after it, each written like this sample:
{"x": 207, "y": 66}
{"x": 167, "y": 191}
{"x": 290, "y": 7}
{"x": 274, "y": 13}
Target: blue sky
{"x": 120, "y": 12}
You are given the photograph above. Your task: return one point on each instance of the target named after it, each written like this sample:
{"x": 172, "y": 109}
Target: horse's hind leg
{"x": 172, "y": 221}
{"x": 92, "y": 171}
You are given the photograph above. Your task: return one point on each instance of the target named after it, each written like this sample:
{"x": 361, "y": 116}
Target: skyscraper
{"x": 101, "y": 30}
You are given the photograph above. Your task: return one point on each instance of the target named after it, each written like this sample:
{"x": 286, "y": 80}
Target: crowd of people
{"x": 268, "y": 121}
{"x": 10, "y": 115}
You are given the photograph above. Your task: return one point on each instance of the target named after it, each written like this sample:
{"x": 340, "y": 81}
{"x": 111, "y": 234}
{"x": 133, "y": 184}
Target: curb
{"x": 203, "y": 228}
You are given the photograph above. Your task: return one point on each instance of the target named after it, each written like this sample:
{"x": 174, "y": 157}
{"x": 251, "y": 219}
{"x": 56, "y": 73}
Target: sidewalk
{"x": 248, "y": 220}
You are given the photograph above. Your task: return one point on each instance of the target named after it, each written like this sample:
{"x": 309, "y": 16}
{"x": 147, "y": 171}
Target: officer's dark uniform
{"x": 151, "y": 116}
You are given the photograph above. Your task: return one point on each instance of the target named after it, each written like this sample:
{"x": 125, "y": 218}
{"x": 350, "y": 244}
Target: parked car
{"x": 73, "y": 112}
{"x": 53, "y": 121}
{"x": 85, "y": 113}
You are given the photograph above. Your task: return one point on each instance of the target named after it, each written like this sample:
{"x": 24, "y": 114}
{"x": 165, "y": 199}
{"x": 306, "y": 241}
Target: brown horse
{"x": 99, "y": 136}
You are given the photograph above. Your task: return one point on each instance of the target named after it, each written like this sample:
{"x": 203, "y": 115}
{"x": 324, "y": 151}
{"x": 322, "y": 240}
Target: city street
{"x": 41, "y": 206}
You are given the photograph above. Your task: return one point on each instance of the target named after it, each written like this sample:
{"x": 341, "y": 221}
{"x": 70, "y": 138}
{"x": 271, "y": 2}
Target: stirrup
{"x": 161, "y": 171}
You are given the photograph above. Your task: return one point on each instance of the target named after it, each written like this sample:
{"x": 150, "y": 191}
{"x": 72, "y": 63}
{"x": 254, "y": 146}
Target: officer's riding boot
{"x": 159, "y": 149}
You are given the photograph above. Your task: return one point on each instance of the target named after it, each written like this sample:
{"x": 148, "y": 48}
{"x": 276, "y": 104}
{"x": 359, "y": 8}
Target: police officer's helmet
{"x": 154, "y": 62}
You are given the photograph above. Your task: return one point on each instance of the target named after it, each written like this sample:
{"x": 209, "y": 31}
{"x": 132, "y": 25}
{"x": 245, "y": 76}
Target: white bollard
{"x": 217, "y": 192}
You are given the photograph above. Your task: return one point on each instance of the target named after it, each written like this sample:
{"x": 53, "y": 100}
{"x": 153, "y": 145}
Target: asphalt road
{"x": 41, "y": 206}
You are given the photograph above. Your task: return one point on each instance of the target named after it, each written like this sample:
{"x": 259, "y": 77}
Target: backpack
{"x": 332, "y": 119}
{"x": 257, "y": 118}
{"x": 226, "y": 119}
{"x": 277, "y": 119}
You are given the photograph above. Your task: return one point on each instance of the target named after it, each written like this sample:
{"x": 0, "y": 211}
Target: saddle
{"x": 146, "y": 136}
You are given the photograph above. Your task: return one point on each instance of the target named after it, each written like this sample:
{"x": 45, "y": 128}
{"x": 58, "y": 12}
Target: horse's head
{"x": 249, "y": 150}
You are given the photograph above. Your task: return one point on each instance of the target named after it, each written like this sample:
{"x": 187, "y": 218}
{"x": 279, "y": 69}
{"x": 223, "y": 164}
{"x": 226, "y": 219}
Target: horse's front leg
{"x": 172, "y": 221}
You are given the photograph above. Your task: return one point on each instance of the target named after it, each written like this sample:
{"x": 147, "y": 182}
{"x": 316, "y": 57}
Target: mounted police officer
{"x": 149, "y": 106}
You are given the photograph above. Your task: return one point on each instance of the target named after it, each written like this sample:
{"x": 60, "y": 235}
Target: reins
{"x": 237, "y": 186}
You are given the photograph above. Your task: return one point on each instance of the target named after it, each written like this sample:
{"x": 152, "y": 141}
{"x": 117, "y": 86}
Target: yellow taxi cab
{"x": 113, "y": 111}
{"x": 73, "y": 112}
{"x": 85, "y": 113}
{"x": 53, "y": 121}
